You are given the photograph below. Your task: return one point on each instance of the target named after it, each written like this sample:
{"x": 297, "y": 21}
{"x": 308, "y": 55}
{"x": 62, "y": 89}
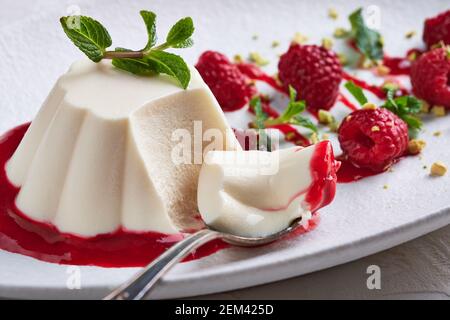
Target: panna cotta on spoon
{"x": 259, "y": 193}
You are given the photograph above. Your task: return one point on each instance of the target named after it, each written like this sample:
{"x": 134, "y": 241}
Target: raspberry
{"x": 437, "y": 29}
{"x": 373, "y": 138}
{"x": 430, "y": 77}
{"x": 314, "y": 72}
{"x": 229, "y": 85}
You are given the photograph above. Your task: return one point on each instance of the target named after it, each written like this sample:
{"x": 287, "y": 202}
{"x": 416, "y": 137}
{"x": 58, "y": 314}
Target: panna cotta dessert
{"x": 258, "y": 193}
{"x": 131, "y": 150}
{"x": 98, "y": 156}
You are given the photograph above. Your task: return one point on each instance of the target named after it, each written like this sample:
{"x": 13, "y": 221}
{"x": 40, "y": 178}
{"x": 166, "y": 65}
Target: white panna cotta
{"x": 97, "y": 157}
{"x": 258, "y": 193}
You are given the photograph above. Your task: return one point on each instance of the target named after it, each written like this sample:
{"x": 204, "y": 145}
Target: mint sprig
{"x": 356, "y": 92}
{"x": 260, "y": 118}
{"x": 291, "y": 115}
{"x": 92, "y": 38}
{"x": 405, "y": 107}
{"x": 368, "y": 41}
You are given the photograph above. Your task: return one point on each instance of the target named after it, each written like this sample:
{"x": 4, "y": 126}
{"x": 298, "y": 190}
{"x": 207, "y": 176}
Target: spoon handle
{"x": 140, "y": 285}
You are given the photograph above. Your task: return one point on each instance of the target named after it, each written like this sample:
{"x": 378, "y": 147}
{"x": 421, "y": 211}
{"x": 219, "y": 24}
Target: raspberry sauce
{"x": 343, "y": 99}
{"x": 376, "y": 90}
{"x": 122, "y": 248}
{"x": 348, "y": 172}
{"x": 253, "y": 72}
{"x": 401, "y": 65}
{"x": 42, "y": 241}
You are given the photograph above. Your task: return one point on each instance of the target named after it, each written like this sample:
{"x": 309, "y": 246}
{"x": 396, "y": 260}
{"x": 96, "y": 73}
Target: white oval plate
{"x": 363, "y": 219}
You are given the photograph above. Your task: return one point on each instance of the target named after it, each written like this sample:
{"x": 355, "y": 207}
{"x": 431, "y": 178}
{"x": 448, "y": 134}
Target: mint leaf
{"x": 356, "y": 92}
{"x": 180, "y": 32}
{"x": 294, "y": 107}
{"x": 412, "y": 121}
{"x": 150, "y": 22}
{"x": 405, "y": 107}
{"x": 260, "y": 115}
{"x": 304, "y": 122}
{"x": 368, "y": 41}
{"x": 184, "y": 44}
{"x": 136, "y": 66}
{"x": 170, "y": 64}
{"x": 88, "y": 35}
{"x": 291, "y": 115}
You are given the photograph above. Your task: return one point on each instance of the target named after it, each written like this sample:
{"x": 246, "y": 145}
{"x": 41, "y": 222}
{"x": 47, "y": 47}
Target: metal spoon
{"x": 142, "y": 283}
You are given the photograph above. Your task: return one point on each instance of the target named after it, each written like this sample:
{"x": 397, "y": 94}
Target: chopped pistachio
{"x": 334, "y": 126}
{"x": 333, "y": 14}
{"x": 314, "y": 138}
{"x": 340, "y": 33}
{"x": 375, "y": 128}
{"x": 325, "y": 117}
{"x": 412, "y": 56}
{"x": 327, "y": 43}
{"x": 256, "y": 58}
{"x": 275, "y": 44}
{"x": 299, "y": 38}
{"x": 438, "y": 111}
{"x": 366, "y": 63}
{"x": 415, "y": 146}
{"x": 342, "y": 59}
{"x": 382, "y": 70}
{"x": 437, "y": 133}
{"x": 410, "y": 34}
{"x": 289, "y": 135}
{"x": 425, "y": 106}
{"x": 238, "y": 58}
{"x": 386, "y": 186}
{"x": 369, "y": 106}
{"x": 440, "y": 44}
{"x": 438, "y": 169}
{"x": 389, "y": 85}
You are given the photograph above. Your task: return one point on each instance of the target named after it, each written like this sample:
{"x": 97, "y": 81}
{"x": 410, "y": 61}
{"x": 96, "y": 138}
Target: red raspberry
{"x": 430, "y": 77}
{"x": 437, "y": 29}
{"x": 229, "y": 85}
{"x": 373, "y": 138}
{"x": 314, "y": 72}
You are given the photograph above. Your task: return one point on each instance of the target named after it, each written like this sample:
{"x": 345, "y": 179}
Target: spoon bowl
{"x": 144, "y": 281}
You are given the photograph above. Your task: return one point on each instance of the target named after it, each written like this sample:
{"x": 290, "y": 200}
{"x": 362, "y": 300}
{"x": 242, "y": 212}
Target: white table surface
{"x": 419, "y": 269}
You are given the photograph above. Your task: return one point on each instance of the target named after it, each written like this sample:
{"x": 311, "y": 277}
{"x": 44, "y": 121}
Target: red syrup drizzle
{"x": 122, "y": 248}
{"x": 400, "y": 65}
{"x": 376, "y": 90}
{"x": 348, "y": 172}
{"x": 347, "y": 102}
{"x": 254, "y": 73}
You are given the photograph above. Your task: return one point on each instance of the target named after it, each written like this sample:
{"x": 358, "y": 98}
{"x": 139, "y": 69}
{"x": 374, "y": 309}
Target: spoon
{"x": 144, "y": 281}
